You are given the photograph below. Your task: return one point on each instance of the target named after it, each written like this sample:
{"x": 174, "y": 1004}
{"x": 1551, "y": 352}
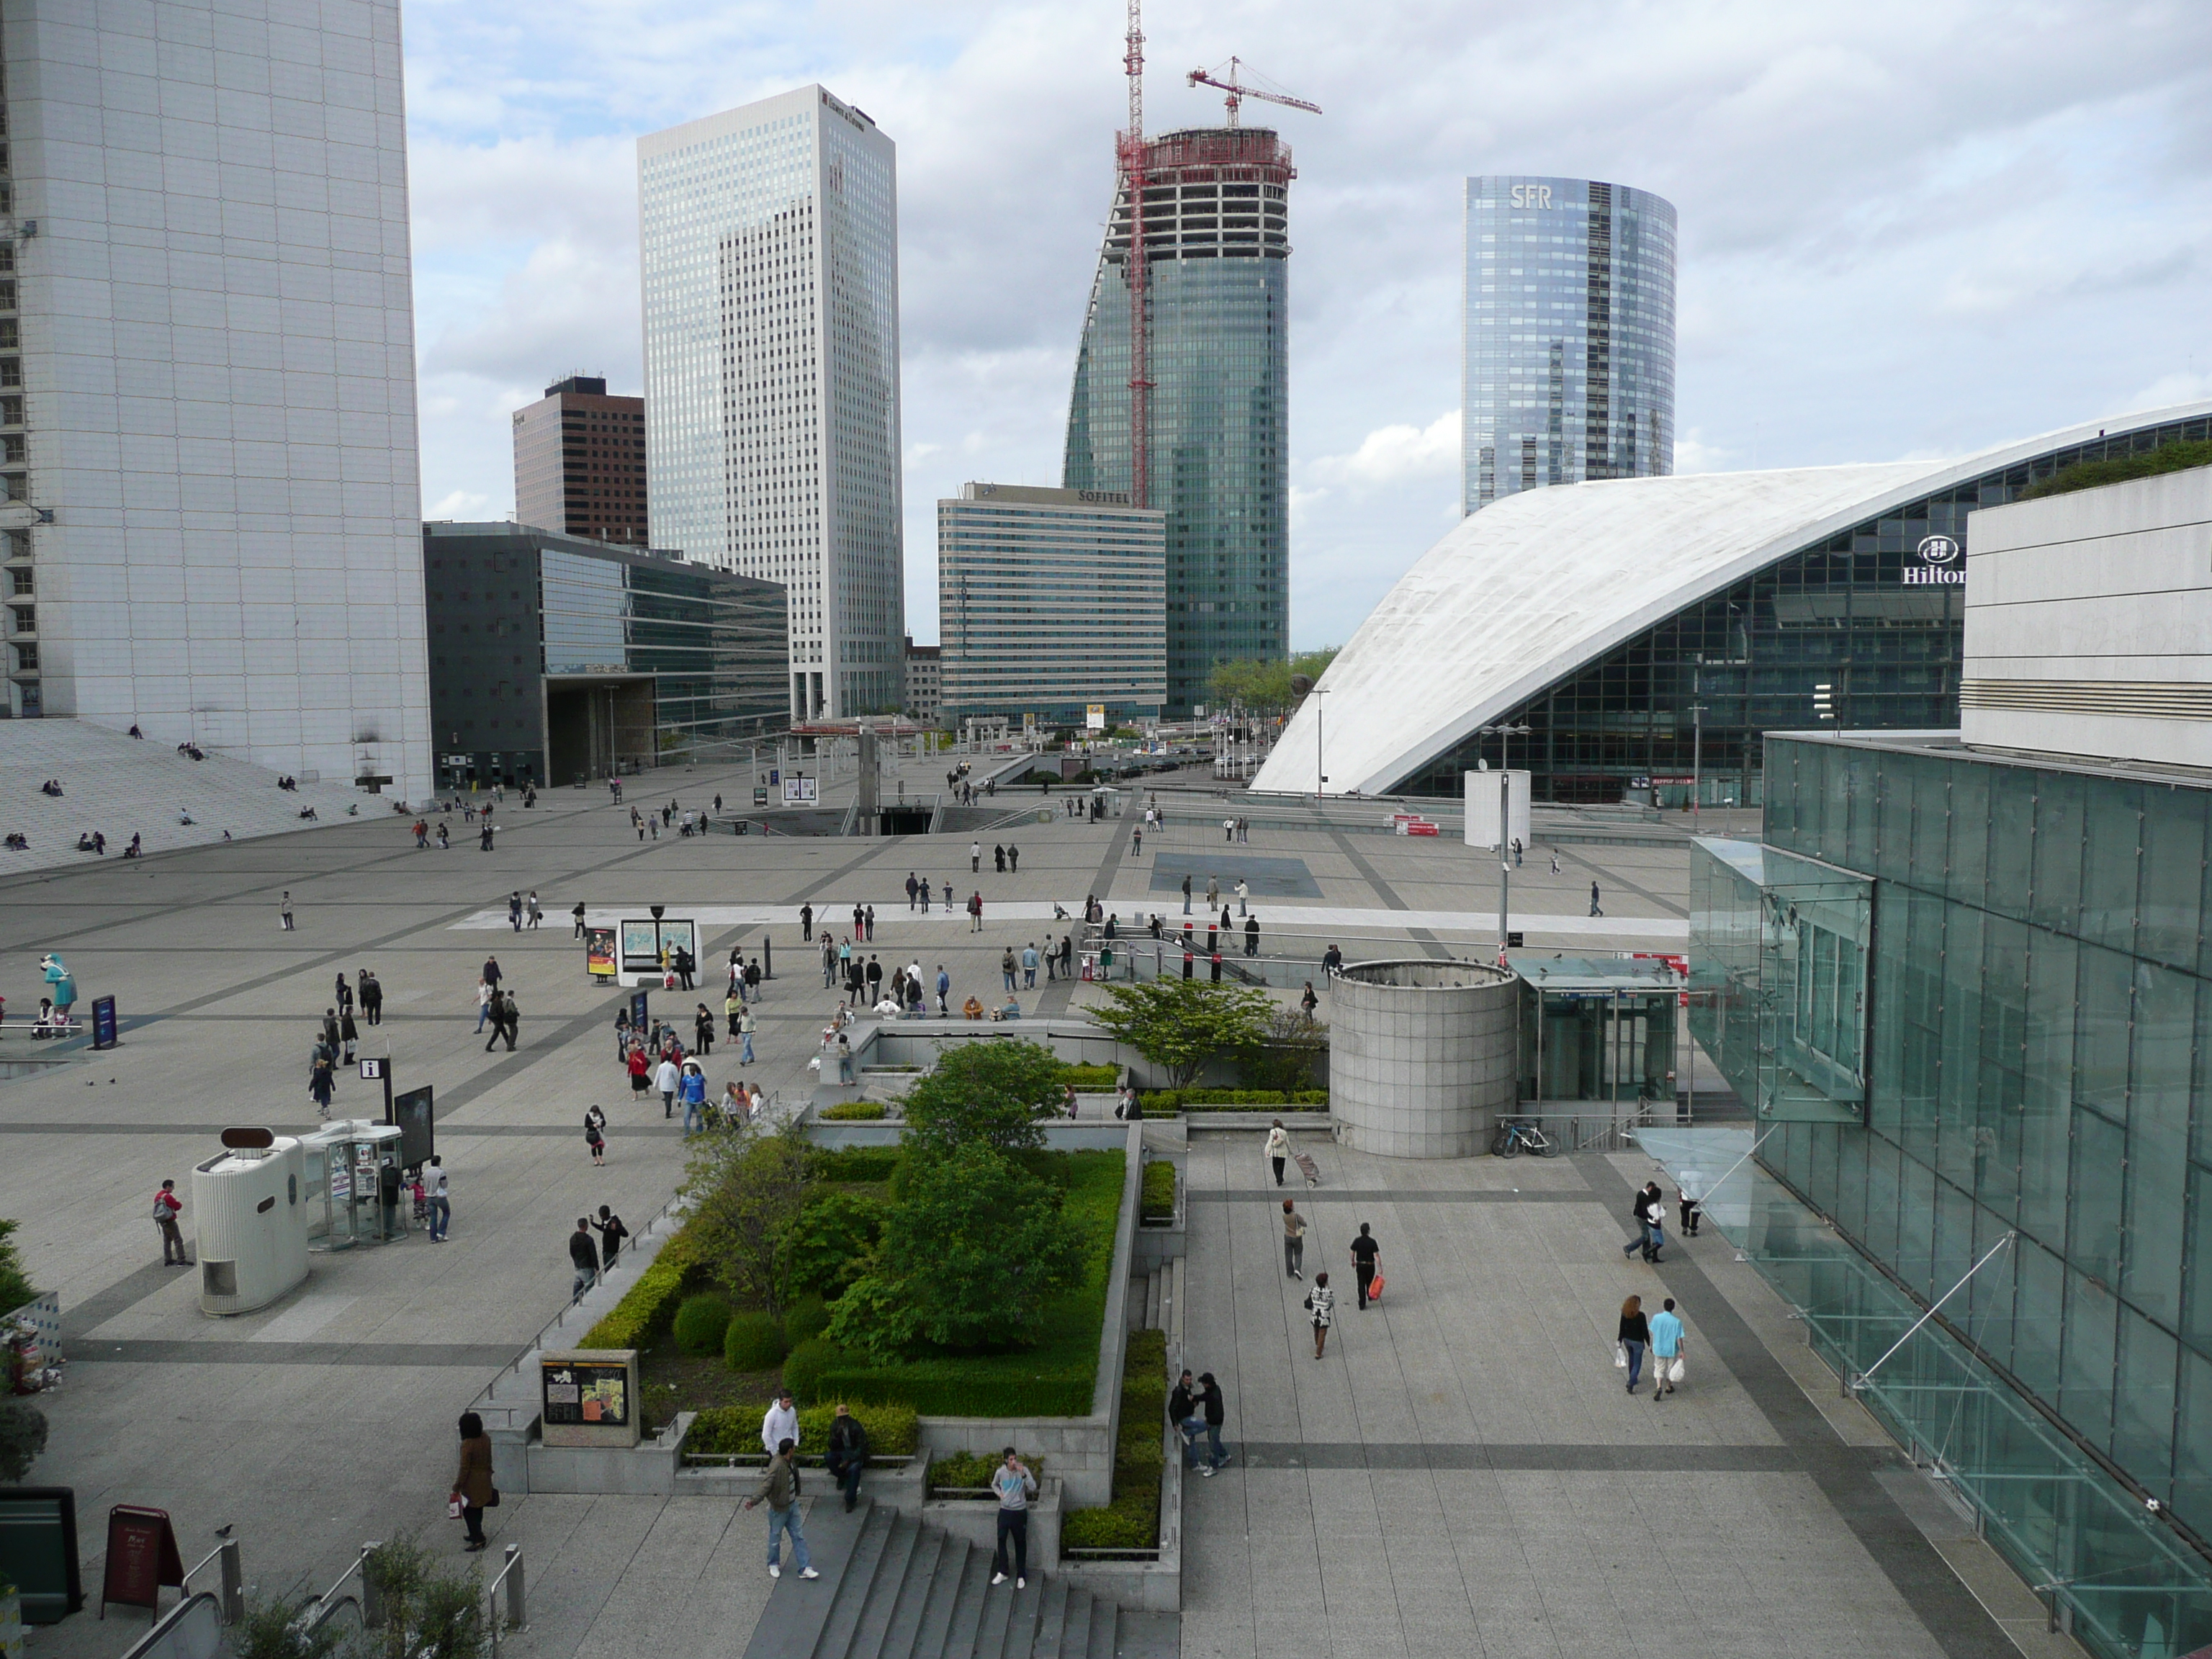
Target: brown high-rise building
{"x": 579, "y": 463}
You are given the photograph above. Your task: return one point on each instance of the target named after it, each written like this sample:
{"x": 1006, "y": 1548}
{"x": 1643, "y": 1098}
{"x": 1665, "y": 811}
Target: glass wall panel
{"x": 2112, "y": 834}
{"x": 2142, "y": 1415}
{"x": 2084, "y": 1375}
{"x": 2055, "y": 895}
{"x": 2103, "y": 1007}
{"x": 2011, "y": 809}
{"x": 1971, "y": 828}
{"x": 2192, "y": 1443}
{"x": 2047, "y": 1122}
{"x": 2158, "y": 1139}
{"x": 2169, "y": 905}
{"x": 2196, "y": 1253}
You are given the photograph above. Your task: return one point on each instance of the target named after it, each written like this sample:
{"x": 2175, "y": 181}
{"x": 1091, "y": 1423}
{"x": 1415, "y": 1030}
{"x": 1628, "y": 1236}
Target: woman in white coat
{"x": 1279, "y": 1148}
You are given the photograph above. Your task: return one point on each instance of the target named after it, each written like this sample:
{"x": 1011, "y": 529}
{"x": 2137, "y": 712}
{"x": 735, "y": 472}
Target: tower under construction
{"x": 1208, "y": 208}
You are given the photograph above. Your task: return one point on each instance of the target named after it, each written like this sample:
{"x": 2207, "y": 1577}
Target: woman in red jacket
{"x": 639, "y": 1068}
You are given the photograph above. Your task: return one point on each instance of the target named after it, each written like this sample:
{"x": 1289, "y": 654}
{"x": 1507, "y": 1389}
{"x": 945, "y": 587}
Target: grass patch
{"x": 855, "y": 1111}
{"x": 1132, "y": 1521}
{"x": 1166, "y": 1102}
{"x": 969, "y": 1470}
{"x": 856, "y": 1165}
{"x": 893, "y": 1430}
{"x": 1055, "y": 1376}
{"x": 1090, "y": 1079}
{"x": 2144, "y": 463}
{"x": 1158, "y": 1201}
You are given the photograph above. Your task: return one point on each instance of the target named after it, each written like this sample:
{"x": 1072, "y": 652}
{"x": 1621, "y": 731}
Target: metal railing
{"x": 232, "y": 1577}
{"x": 190, "y": 1630}
{"x": 509, "y": 1578}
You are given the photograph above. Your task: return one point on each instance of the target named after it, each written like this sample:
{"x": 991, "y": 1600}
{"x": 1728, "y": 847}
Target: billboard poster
{"x": 600, "y": 952}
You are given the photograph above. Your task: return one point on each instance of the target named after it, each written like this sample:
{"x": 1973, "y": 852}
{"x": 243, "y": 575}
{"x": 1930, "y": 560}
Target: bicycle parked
{"x": 1516, "y": 1135}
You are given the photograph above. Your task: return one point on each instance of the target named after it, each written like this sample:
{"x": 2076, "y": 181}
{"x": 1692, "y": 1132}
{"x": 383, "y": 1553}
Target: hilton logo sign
{"x": 1942, "y": 567}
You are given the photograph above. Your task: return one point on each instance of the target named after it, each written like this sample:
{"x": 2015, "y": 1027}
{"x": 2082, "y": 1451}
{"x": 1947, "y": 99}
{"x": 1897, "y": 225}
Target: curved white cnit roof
{"x": 1530, "y": 589}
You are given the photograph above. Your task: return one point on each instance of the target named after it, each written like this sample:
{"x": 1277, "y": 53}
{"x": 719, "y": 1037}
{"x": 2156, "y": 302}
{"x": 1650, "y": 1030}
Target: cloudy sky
{"x": 1909, "y": 227}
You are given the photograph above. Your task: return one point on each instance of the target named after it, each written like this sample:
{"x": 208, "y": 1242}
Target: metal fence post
{"x": 372, "y": 1594}
{"x": 234, "y": 1583}
{"x": 516, "y": 1609}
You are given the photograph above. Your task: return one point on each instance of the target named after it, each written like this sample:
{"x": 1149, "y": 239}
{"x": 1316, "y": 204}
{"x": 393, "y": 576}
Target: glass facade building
{"x": 1217, "y": 249}
{"x": 552, "y": 656}
{"x": 1568, "y": 366}
{"x": 1970, "y": 996}
{"x": 768, "y": 237}
{"x": 1858, "y": 630}
{"x": 1050, "y": 601}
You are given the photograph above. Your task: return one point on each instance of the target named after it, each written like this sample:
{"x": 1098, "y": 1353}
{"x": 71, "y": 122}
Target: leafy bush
{"x": 857, "y": 1164}
{"x": 1158, "y": 1202}
{"x": 1090, "y": 1079}
{"x": 1167, "y": 1101}
{"x": 753, "y": 1342}
{"x": 973, "y": 1469}
{"x": 701, "y": 1321}
{"x": 805, "y": 1319}
{"x": 747, "y": 1186}
{"x": 647, "y": 1307}
{"x": 2087, "y": 475}
{"x": 971, "y": 1252}
{"x": 811, "y": 1361}
{"x": 855, "y": 1111}
{"x": 893, "y": 1430}
{"x": 1132, "y": 1521}
{"x": 274, "y": 1628}
{"x": 22, "y": 1437}
{"x": 429, "y": 1614}
{"x": 997, "y": 1094}
{"x": 1181, "y": 1024}
{"x": 15, "y": 1286}
{"x": 829, "y": 1242}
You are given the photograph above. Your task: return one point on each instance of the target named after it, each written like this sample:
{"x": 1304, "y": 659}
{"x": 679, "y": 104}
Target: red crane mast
{"x": 1138, "y": 267}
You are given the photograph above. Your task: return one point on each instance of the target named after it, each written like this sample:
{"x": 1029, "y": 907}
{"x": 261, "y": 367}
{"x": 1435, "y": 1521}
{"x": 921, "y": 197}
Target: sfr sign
{"x": 1532, "y": 195}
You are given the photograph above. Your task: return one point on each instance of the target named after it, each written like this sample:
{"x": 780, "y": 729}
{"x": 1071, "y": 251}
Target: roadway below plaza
{"x": 328, "y": 1418}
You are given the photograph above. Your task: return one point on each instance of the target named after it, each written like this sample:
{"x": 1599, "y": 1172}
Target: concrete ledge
{"x": 976, "y": 1519}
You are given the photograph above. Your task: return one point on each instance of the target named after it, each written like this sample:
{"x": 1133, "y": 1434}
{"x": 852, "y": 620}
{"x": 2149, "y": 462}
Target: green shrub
{"x": 1132, "y": 1521}
{"x": 893, "y": 1430}
{"x": 753, "y": 1342}
{"x": 855, "y": 1111}
{"x": 808, "y": 1363}
{"x": 647, "y": 1307}
{"x": 22, "y": 1437}
{"x": 972, "y": 1469}
{"x": 1090, "y": 1079}
{"x": 2089, "y": 475}
{"x": 15, "y": 1287}
{"x": 806, "y": 1318}
{"x": 824, "y": 1250}
{"x": 701, "y": 1321}
{"x": 857, "y": 1164}
{"x": 1165, "y": 1103}
{"x": 1158, "y": 1199}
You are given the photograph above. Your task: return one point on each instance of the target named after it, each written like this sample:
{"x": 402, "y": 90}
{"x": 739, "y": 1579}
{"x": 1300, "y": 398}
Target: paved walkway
{"x": 1463, "y": 1473}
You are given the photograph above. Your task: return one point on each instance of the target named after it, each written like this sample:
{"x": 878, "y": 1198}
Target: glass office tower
{"x": 1970, "y": 993}
{"x": 768, "y": 237}
{"x": 1217, "y": 247}
{"x": 1569, "y": 367}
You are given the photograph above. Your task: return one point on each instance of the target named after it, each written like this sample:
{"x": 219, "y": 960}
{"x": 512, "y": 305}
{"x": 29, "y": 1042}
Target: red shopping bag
{"x": 1375, "y": 1290}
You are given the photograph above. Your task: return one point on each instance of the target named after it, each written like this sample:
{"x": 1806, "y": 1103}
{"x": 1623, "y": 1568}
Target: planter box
{"x": 976, "y": 1519}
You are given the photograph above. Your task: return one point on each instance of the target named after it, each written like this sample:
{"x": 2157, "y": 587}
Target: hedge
{"x": 754, "y": 1342}
{"x": 1158, "y": 1201}
{"x": 1167, "y": 1101}
{"x": 973, "y": 1469}
{"x": 893, "y": 1430}
{"x": 855, "y": 1111}
{"x": 1053, "y": 1378}
{"x": 807, "y": 1318}
{"x": 647, "y": 1307}
{"x": 700, "y": 1322}
{"x": 1132, "y": 1521}
{"x": 1090, "y": 1079}
{"x": 809, "y": 1362}
{"x": 857, "y": 1164}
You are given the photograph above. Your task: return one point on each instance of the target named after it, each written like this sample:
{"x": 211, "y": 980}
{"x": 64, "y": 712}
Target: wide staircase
{"x": 894, "y": 1588}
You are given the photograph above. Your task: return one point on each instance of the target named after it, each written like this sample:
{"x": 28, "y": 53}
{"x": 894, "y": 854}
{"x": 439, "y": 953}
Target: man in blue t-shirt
{"x": 1666, "y": 1346}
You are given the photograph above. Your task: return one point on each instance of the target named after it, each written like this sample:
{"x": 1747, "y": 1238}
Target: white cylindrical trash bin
{"x": 250, "y": 1226}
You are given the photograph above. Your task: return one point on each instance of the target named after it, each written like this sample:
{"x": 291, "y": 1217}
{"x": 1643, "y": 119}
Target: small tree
{"x": 747, "y": 1187}
{"x": 1180, "y": 1023}
{"x": 427, "y": 1613}
{"x": 995, "y": 1093}
{"x": 1285, "y": 1059}
{"x": 970, "y": 1254}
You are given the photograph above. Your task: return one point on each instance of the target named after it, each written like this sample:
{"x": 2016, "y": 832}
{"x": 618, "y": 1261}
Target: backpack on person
{"x": 161, "y": 1209}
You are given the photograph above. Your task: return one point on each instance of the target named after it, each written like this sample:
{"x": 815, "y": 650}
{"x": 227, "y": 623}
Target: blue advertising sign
{"x": 103, "y": 1021}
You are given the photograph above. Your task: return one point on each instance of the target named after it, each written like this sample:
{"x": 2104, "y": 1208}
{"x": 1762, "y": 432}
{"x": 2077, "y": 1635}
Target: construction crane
{"x": 1137, "y": 265}
{"x": 1238, "y": 91}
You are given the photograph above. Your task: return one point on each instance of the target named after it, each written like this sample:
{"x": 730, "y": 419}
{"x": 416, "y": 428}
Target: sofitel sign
{"x": 1942, "y": 567}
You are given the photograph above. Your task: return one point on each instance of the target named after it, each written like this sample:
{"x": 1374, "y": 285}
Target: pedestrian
{"x": 639, "y": 1068}
{"x": 284, "y": 911}
{"x": 943, "y": 991}
{"x": 1228, "y": 828}
{"x": 1555, "y": 861}
{"x": 913, "y": 890}
{"x": 1689, "y": 1195}
{"x": 514, "y": 910}
{"x": 1594, "y": 905}
{"x": 695, "y": 1097}
{"x": 1007, "y": 966}
{"x": 322, "y": 1081}
{"x": 387, "y": 1194}
{"x": 745, "y": 1036}
{"x": 733, "y": 1004}
{"x": 439, "y": 1199}
{"x": 1633, "y": 1337}
{"x": 1242, "y": 892}
{"x": 1309, "y": 1002}
{"x": 595, "y": 1133}
{"x": 167, "y": 1206}
{"x": 1366, "y": 1263}
{"x": 806, "y": 923}
{"x": 779, "y": 1423}
{"x": 344, "y": 990}
{"x": 1322, "y": 1301}
{"x": 925, "y": 895}
{"x": 1251, "y": 936}
{"x": 829, "y": 962}
{"x": 753, "y": 979}
{"x": 1013, "y": 858}
{"x": 976, "y": 911}
{"x": 577, "y": 914}
{"x": 1294, "y": 1241}
{"x": 536, "y": 916}
{"x": 1216, "y": 1410}
{"x": 974, "y": 857}
{"x": 1186, "y": 895}
{"x": 1278, "y": 1137}
{"x": 779, "y": 1487}
{"x": 1516, "y": 852}
{"x": 349, "y": 1033}
{"x": 372, "y": 997}
{"x": 999, "y": 859}
{"x": 703, "y": 1030}
{"x": 583, "y": 1254}
{"x": 472, "y": 1487}
{"x": 1015, "y": 1485}
{"x": 1667, "y": 1344}
{"x": 668, "y": 1080}
{"x": 848, "y": 1453}
{"x": 491, "y": 972}
{"x": 612, "y": 1234}
{"x": 1647, "y": 1210}
{"x": 1212, "y": 893}
{"x": 506, "y": 1022}
{"x": 1190, "y": 1423}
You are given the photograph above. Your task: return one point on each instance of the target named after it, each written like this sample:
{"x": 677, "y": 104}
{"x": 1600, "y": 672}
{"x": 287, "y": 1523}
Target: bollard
{"x": 372, "y": 1597}
{"x": 234, "y": 1583}
{"x": 768, "y": 958}
{"x": 517, "y": 1614}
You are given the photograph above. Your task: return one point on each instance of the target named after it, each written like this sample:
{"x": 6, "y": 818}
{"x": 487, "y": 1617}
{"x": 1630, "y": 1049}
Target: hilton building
{"x": 554, "y": 659}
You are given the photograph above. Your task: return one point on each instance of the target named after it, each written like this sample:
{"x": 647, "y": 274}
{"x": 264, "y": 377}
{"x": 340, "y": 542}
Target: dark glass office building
{"x": 1217, "y": 249}
{"x": 553, "y": 658}
{"x": 1569, "y": 372}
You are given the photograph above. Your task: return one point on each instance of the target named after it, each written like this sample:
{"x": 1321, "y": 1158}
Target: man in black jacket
{"x": 1217, "y": 1413}
{"x": 847, "y": 1454}
{"x": 584, "y": 1255}
{"x": 1183, "y": 1411}
{"x": 1648, "y": 1208}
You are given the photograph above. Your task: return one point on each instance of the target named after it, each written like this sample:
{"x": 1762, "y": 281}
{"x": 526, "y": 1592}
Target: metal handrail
{"x": 510, "y": 1577}
{"x": 326, "y": 1611}
{"x": 152, "y": 1640}
{"x": 232, "y": 1594}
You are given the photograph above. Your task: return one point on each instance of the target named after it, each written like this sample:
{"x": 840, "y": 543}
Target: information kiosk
{"x": 340, "y": 1187}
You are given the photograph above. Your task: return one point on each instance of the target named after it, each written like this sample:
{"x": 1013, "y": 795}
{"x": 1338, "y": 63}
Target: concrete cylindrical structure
{"x": 1421, "y": 1057}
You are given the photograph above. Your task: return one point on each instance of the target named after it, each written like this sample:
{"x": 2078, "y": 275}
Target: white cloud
{"x": 463, "y": 505}
{"x": 1693, "y": 454}
{"x": 1394, "y": 454}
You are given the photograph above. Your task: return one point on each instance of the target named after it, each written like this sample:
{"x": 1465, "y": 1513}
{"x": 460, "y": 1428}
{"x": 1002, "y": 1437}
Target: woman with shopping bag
{"x": 1633, "y": 1339}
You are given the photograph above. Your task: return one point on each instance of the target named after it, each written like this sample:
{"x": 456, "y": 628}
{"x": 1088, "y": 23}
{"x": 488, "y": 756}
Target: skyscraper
{"x": 580, "y": 462}
{"x": 207, "y": 382}
{"x": 1217, "y": 240}
{"x": 770, "y": 240}
{"x": 1568, "y": 371}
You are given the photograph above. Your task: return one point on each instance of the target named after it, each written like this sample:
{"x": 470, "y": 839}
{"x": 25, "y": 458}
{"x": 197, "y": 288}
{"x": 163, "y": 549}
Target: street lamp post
{"x": 1505, "y": 735}
{"x": 1320, "y": 777}
{"x": 1696, "y": 763}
